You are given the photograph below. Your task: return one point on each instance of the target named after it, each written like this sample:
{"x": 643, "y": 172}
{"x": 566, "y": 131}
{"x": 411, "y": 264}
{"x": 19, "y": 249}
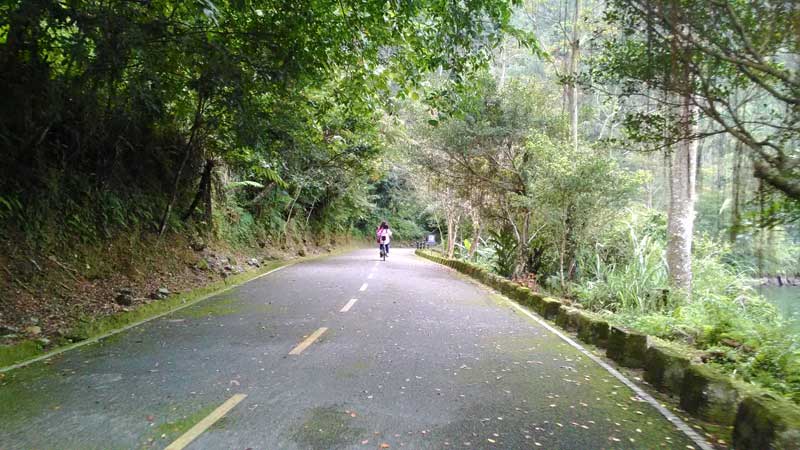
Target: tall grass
{"x": 626, "y": 278}
{"x": 633, "y": 280}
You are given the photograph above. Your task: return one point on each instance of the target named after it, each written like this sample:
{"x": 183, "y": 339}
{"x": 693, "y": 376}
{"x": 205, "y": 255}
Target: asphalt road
{"x": 424, "y": 358}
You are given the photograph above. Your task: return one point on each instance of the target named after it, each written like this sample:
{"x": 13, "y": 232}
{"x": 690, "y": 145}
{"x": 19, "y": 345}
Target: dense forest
{"x": 637, "y": 158}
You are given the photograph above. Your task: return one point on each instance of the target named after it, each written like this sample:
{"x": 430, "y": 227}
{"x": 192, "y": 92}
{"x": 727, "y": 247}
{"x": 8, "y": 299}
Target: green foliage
{"x": 626, "y": 274}
{"x": 396, "y": 200}
{"x": 114, "y": 108}
{"x": 505, "y": 251}
{"x": 628, "y": 282}
{"x": 575, "y": 191}
{"x": 727, "y": 56}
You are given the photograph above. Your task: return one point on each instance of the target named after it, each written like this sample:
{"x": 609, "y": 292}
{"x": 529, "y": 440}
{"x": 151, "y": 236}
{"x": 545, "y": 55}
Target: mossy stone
{"x": 766, "y": 422}
{"x": 497, "y": 282}
{"x": 508, "y": 288}
{"x": 626, "y": 347}
{"x": 548, "y": 308}
{"x": 583, "y": 321}
{"x": 522, "y": 295}
{"x": 592, "y": 330}
{"x": 486, "y": 277}
{"x": 535, "y": 301}
{"x": 567, "y": 318}
{"x": 664, "y": 368}
{"x": 709, "y": 394}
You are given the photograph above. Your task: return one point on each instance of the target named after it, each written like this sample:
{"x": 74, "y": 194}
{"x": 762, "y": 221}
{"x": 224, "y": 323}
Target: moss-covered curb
{"x": 665, "y": 367}
{"x": 26, "y": 352}
{"x": 761, "y": 421}
{"x": 765, "y": 421}
{"x": 709, "y": 394}
{"x": 567, "y": 318}
{"x": 627, "y": 347}
{"x": 11, "y": 354}
{"x": 592, "y": 330}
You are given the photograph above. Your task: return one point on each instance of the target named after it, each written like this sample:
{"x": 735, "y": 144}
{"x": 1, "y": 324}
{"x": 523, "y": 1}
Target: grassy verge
{"x": 13, "y": 356}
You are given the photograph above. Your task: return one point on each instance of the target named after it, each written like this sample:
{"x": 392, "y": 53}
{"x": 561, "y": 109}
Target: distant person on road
{"x": 384, "y": 235}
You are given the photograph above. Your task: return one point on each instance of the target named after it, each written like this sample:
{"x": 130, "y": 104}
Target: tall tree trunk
{"x": 562, "y": 255}
{"x": 680, "y": 224}
{"x": 503, "y": 63}
{"x": 522, "y": 244}
{"x": 736, "y": 182}
{"x": 475, "y": 204}
{"x": 572, "y": 87}
{"x": 761, "y": 227}
{"x": 477, "y": 229}
{"x": 573, "y": 226}
{"x": 198, "y": 117}
{"x": 203, "y": 193}
{"x": 208, "y": 195}
{"x": 699, "y": 165}
{"x": 452, "y": 232}
{"x": 289, "y": 216}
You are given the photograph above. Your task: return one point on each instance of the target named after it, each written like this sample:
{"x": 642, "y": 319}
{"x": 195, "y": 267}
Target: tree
{"x": 573, "y": 191}
{"x": 572, "y": 73}
{"x": 138, "y": 99}
{"x": 480, "y": 153}
{"x": 644, "y": 71}
{"x": 682, "y": 193}
{"x": 742, "y": 59}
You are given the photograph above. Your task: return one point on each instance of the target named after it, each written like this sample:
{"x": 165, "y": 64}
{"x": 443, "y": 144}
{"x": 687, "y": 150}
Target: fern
{"x": 247, "y": 183}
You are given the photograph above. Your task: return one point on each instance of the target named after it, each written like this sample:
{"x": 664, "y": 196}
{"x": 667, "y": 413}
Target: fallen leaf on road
{"x": 384, "y": 445}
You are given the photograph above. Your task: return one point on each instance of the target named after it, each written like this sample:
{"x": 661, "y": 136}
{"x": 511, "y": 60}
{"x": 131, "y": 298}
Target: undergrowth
{"x": 625, "y": 279}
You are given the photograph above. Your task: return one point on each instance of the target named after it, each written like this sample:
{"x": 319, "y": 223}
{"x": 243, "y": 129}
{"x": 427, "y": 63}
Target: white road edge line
{"x": 133, "y": 325}
{"x": 308, "y": 341}
{"x": 349, "y": 305}
{"x": 363, "y": 287}
{"x": 679, "y": 424}
{"x": 186, "y": 438}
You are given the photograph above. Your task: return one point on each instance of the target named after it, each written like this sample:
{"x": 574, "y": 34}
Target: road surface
{"x": 344, "y": 352}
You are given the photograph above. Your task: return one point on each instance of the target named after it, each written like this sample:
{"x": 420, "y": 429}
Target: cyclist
{"x": 383, "y": 235}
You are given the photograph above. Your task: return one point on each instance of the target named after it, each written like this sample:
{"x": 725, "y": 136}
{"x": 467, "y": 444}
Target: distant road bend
{"x": 346, "y": 352}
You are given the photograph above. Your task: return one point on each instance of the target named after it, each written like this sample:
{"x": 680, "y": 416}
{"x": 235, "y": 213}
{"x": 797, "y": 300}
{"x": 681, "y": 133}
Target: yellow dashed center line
{"x": 349, "y": 305}
{"x": 308, "y": 341}
{"x": 204, "y": 424}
